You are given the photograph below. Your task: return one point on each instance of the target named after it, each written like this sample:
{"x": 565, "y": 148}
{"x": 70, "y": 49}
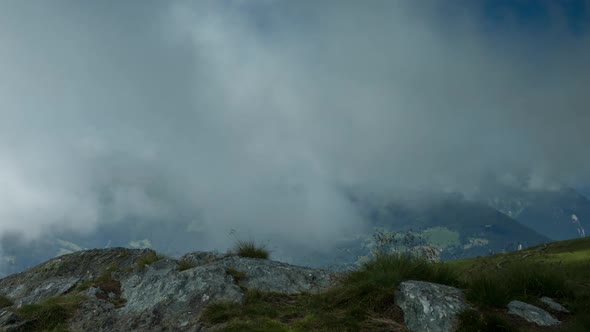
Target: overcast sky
{"x": 255, "y": 115}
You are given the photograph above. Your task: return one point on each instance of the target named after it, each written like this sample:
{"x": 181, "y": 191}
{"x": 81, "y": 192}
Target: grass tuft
{"x": 148, "y": 259}
{"x": 249, "y": 248}
{"x": 50, "y": 314}
{"x": 256, "y": 325}
{"x": 185, "y": 265}
{"x": 5, "y": 302}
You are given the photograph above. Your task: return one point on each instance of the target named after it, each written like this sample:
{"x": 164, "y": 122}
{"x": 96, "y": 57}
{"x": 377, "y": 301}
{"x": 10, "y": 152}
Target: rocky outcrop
{"x": 531, "y": 314}
{"x": 430, "y": 307}
{"x": 135, "y": 290}
{"x": 159, "y": 298}
{"x": 59, "y": 275}
{"x": 265, "y": 275}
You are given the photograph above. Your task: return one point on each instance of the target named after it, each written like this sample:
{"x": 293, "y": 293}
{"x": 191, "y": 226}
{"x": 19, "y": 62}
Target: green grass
{"x": 249, "y": 248}
{"x": 256, "y": 325}
{"x": 257, "y": 305}
{"x": 525, "y": 281}
{"x": 560, "y": 270}
{"x": 473, "y": 320}
{"x": 571, "y": 257}
{"x": 50, "y": 314}
{"x": 263, "y": 311}
{"x": 5, "y": 302}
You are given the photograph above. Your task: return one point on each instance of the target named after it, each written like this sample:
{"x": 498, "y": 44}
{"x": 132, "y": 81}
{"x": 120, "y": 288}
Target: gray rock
{"x": 199, "y": 258}
{"x": 271, "y": 276}
{"x": 531, "y": 313}
{"x": 159, "y": 298}
{"x": 430, "y": 307}
{"x": 554, "y": 305}
{"x": 185, "y": 291}
{"x": 95, "y": 315}
{"x": 52, "y": 287}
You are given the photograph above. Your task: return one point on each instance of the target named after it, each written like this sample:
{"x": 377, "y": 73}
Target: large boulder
{"x": 554, "y": 305}
{"x": 272, "y": 276}
{"x": 531, "y": 314}
{"x": 430, "y": 307}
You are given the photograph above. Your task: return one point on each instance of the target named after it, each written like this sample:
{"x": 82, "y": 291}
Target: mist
{"x": 256, "y": 117}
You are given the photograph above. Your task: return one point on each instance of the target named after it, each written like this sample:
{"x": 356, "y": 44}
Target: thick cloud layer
{"x": 257, "y": 115}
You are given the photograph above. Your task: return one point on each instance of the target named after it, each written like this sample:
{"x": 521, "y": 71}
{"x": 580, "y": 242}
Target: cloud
{"x": 256, "y": 115}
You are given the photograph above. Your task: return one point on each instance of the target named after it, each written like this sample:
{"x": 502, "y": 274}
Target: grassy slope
{"x": 562, "y": 268}
{"x": 364, "y": 299}
{"x": 571, "y": 257}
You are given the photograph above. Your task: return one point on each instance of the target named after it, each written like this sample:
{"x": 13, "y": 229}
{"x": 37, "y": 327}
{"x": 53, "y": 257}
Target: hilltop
{"x": 121, "y": 289}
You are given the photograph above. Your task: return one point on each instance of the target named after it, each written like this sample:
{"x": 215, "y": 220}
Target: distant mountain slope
{"x": 550, "y": 213}
{"x": 481, "y": 229}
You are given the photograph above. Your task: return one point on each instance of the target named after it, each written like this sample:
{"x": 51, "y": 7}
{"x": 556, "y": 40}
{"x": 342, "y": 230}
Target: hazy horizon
{"x": 257, "y": 117}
